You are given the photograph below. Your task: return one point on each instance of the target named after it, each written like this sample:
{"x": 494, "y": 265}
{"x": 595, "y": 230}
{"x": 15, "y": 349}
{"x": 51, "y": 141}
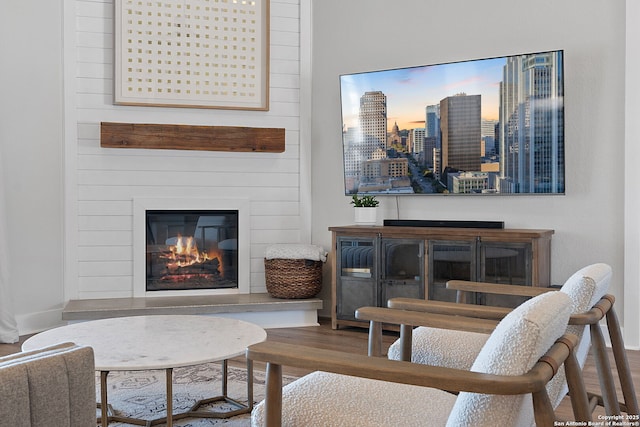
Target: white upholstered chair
{"x": 587, "y": 289}
{"x": 356, "y": 390}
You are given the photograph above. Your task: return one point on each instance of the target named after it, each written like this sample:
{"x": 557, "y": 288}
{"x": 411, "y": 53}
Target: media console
{"x": 371, "y": 264}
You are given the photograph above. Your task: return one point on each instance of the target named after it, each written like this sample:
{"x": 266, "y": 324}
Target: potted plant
{"x": 365, "y": 209}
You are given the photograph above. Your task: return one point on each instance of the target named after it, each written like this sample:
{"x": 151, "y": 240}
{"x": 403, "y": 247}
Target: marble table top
{"x": 155, "y": 342}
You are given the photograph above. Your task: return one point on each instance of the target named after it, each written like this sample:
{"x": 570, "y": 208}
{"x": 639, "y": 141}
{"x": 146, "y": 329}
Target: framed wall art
{"x": 192, "y": 53}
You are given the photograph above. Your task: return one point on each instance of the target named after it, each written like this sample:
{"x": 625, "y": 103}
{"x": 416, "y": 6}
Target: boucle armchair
{"x": 506, "y": 385}
{"x": 587, "y": 289}
{"x": 53, "y": 386}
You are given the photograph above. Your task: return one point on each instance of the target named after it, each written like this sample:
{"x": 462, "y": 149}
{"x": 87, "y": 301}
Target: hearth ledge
{"x": 258, "y": 308}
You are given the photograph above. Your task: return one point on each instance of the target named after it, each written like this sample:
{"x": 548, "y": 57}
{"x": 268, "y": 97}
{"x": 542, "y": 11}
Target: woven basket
{"x": 293, "y": 278}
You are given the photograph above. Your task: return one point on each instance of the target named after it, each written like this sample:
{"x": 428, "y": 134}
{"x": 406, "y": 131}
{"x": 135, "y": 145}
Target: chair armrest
{"x": 597, "y": 312}
{"x": 469, "y": 310}
{"x": 450, "y": 379}
{"x": 276, "y": 355}
{"x": 24, "y": 356}
{"x": 408, "y": 319}
{"x": 450, "y": 308}
{"x": 416, "y": 318}
{"x": 496, "y": 288}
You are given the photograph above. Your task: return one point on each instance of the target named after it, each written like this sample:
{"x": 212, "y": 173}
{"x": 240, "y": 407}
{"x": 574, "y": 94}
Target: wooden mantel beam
{"x": 188, "y": 137}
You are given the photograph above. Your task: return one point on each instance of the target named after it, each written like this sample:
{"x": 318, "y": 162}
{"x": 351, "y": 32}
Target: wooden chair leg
{"x": 542, "y": 409}
{"x": 406, "y": 342}
{"x": 375, "y": 339}
{"x": 607, "y": 386}
{"x": 577, "y": 391}
{"x": 622, "y": 364}
{"x": 273, "y": 398}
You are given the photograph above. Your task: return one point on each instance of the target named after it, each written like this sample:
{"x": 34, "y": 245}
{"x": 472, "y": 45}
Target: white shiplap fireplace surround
{"x": 238, "y": 302}
{"x": 103, "y": 184}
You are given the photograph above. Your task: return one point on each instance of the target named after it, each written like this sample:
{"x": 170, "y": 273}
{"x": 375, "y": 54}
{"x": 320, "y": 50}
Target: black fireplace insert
{"x": 191, "y": 249}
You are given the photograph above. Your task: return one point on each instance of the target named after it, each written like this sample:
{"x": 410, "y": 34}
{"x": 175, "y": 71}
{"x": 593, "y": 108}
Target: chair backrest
{"x": 585, "y": 288}
{"x": 517, "y": 343}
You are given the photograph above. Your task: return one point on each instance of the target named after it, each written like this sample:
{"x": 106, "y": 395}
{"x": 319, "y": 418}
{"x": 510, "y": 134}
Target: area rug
{"x": 142, "y": 394}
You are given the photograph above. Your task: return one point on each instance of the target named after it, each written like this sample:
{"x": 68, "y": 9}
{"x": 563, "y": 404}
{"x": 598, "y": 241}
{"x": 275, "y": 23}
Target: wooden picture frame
{"x": 192, "y": 53}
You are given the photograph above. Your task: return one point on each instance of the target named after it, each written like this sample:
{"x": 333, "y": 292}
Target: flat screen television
{"x": 490, "y": 126}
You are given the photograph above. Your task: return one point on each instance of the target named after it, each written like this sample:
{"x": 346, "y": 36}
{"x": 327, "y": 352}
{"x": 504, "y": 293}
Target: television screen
{"x": 483, "y": 126}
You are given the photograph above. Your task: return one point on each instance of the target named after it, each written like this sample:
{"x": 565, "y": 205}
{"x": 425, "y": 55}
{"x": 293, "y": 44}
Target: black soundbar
{"x": 442, "y": 223}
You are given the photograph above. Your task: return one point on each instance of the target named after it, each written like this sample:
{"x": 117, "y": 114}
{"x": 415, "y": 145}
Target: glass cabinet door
{"x": 402, "y": 269}
{"x": 450, "y": 260}
{"x": 506, "y": 263}
{"x": 357, "y": 278}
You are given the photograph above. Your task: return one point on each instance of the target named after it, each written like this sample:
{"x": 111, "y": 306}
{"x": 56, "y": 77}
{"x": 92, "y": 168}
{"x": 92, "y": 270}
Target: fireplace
{"x": 190, "y": 247}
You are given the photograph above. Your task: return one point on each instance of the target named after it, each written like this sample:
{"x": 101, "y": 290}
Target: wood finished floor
{"x": 355, "y": 340}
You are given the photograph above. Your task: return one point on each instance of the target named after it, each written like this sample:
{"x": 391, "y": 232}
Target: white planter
{"x": 365, "y": 216}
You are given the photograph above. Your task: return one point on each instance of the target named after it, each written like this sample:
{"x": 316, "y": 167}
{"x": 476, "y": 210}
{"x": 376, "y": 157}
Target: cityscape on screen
{"x": 487, "y": 126}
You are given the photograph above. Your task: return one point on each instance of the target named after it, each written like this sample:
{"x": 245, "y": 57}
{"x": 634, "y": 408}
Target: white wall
{"x": 377, "y": 34}
{"x": 31, "y": 139}
{"x": 632, "y": 198}
{"x": 588, "y": 220}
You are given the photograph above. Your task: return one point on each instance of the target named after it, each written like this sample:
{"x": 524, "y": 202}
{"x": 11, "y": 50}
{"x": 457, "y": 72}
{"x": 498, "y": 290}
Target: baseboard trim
{"x": 31, "y": 323}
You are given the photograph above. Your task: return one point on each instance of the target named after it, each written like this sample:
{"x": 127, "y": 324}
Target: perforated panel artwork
{"x": 192, "y": 53}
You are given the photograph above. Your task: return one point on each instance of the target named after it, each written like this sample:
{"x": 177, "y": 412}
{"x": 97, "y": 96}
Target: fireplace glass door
{"x": 191, "y": 249}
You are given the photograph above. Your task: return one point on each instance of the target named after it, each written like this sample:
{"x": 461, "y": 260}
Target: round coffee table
{"x": 160, "y": 342}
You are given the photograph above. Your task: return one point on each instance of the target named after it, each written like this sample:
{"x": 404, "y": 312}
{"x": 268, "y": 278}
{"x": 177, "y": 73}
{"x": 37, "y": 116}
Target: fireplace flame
{"x": 185, "y": 253}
